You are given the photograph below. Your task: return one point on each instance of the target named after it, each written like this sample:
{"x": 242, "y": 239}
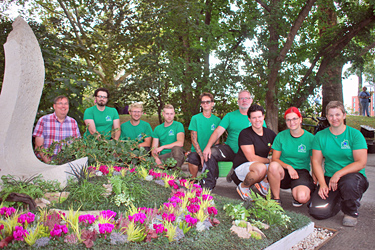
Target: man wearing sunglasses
{"x": 100, "y": 119}
{"x": 201, "y": 127}
{"x": 55, "y": 127}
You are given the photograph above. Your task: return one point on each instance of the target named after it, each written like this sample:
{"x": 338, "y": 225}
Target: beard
{"x": 101, "y": 103}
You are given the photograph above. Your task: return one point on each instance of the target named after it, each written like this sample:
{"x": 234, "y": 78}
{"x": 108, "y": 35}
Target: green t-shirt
{"x": 338, "y": 150}
{"x": 103, "y": 120}
{"x": 204, "y": 128}
{"x": 167, "y": 135}
{"x": 295, "y": 151}
{"x": 234, "y": 122}
{"x": 139, "y": 132}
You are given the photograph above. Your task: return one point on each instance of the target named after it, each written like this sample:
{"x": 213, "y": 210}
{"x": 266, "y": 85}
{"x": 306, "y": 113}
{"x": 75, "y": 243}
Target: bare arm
{"x": 179, "y": 143}
{"x": 146, "y": 142}
{"x": 194, "y": 141}
{"x": 39, "y": 141}
{"x": 214, "y": 137}
{"x": 360, "y": 160}
{"x": 250, "y": 155}
{"x": 154, "y": 153}
{"x": 116, "y": 125}
{"x": 91, "y": 126}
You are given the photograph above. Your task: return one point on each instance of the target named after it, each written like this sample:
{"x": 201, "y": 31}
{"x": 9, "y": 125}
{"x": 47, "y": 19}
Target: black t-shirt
{"x": 262, "y": 144}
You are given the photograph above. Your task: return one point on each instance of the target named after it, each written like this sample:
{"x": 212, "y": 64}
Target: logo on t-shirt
{"x": 301, "y": 148}
{"x": 171, "y": 132}
{"x": 108, "y": 118}
{"x": 345, "y": 144}
{"x": 139, "y": 136}
{"x": 213, "y": 126}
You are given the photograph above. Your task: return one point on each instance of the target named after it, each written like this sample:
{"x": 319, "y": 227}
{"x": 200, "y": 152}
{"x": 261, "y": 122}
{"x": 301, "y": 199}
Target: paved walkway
{"x": 360, "y": 237}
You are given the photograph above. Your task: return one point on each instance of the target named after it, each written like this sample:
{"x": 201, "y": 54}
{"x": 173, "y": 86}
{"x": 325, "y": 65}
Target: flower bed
{"x": 184, "y": 221}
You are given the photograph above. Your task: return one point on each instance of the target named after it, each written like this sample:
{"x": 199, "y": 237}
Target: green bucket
{"x": 224, "y": 168}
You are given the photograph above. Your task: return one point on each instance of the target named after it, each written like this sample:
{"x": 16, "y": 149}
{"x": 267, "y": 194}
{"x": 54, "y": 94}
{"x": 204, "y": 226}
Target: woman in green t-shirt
{"x": 290, "y": 164}
{"x": 342, "y": 178}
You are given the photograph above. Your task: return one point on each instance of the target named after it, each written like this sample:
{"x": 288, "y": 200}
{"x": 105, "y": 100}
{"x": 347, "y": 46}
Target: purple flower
{"x": 106, "y": 228}
{"x": 169, "y": 217}
{"x": 7, "y": 211}
{"x": 138, "y": 217}
{"x": 212, "y": 210}
{"x": 190, "y": 220}
{"x": 19, "y": 233}
{"x": 58, "y": 230}
{"x": 108, "y": 214}
{"x": 29, "y": 217}
{"x": 193, "y": 208}
{"x": 159, "y": 228}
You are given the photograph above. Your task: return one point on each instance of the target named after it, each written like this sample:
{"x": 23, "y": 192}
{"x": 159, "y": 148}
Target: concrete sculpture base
{"x": 19, "y": 100}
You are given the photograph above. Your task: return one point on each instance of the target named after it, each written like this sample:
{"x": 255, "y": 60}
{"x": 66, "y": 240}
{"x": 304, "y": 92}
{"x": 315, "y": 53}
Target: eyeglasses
{"x": 62, "y": 103}
{"x": 294, "y": 119}
{"x": 205, "y": 102}
{"x": 101, "y": 96}
{"x": 244, "y": 98}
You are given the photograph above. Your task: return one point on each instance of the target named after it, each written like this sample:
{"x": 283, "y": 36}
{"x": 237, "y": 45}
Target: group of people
{"x": 261, "y": 159}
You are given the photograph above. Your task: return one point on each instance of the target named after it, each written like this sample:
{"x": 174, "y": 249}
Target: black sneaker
{"x": 296, "y": 203}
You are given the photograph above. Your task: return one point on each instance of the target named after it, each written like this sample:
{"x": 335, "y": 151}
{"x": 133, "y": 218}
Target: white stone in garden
{"x": 19, "y": 100}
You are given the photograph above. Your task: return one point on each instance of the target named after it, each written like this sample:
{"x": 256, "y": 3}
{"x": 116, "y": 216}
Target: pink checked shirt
{"x": 49, "y": 128}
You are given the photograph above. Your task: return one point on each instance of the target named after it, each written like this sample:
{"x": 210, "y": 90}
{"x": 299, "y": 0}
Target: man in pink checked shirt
{"x": 55, "y": 127}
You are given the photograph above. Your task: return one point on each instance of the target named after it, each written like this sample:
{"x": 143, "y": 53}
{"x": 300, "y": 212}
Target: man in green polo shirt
{"x": 168, "y": 139}
{"x": 100, "y": 119}
{"x": 136, "y": 129}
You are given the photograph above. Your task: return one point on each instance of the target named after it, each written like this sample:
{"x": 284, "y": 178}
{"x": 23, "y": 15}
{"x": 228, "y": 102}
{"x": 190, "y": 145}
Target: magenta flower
{"x": 19, "y": 233}
{"x": 206, "y": 197}
{"x": 108, "y": 214}
{"x": 179, "y": 194}
{"x": 190, "y": 220}
{"x": 106, "y": 228}
{"x": 118, "y": 169}
{"x": 183, "y": 182}
{"x": 132, "y": 170}
{"x": 1, "y": 227}
{"x": 86, "y": 219}
{"x": 169, "y": 217}
{"x": 58, "y": 230}
{"x": 7, "y": 211}
{"x": 212, "y": 210}
{"x": 159, "y": 228}
{"x": 29, "y": 217}
{"x": 91, "y": 168}
{"x": 193, "y": 208}
{"x": 175, "y": 199}
{"x": 104, "y": 169}
{"x": 168, "y": 205}
{"x": 194, "y": 200}
{"x": 138, "y": 217}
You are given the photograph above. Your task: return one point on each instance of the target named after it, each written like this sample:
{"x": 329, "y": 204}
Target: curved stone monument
{"x": 19, "y": 100}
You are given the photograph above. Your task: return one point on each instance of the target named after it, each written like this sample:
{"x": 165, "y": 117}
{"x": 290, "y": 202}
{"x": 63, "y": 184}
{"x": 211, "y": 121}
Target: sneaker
{"x": 295, "y": 203}
{"x": 229, "y": 175}
{"x": 349, "y": 221}
{"x": 243, "y": 192}
{"x": 278, "y": 201}
{"x": 260, "y": 188}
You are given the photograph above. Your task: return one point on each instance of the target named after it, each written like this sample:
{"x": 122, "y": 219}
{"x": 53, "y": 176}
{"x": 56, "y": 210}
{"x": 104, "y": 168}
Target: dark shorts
{"x": 195, "y": 159}
{"x": 304, "y": 179}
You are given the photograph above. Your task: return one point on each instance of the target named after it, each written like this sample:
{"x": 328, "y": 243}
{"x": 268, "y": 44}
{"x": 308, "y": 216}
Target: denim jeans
{"x": 346, "y": 198}
{"x": 365, "y": 107}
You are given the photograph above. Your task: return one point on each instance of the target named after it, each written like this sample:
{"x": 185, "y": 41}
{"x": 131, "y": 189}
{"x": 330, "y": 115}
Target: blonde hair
{"x": 335, "y": 104}
{"x": 168, "y": 106}
{"x": 135, "y": 105}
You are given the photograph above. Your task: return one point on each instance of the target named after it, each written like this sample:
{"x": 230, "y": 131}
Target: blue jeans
{"x": 346, "y": 198}
{"x": 365, "y": 107}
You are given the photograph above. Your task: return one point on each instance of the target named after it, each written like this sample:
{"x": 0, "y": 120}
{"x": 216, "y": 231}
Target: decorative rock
{"x": 19, "y": 100}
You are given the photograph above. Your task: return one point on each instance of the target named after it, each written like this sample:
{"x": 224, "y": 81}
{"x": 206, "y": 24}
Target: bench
{"x": 224, "y": 168}
{"x": 368, "y": 132}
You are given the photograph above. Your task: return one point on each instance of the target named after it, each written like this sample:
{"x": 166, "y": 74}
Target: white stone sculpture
{"x": 19, "y": 100}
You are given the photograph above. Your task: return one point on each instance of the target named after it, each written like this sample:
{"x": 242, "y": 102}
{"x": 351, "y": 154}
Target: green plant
{"x": 268, "y": 210}
{"x": 87, "y": 191}
{"x": 236, "y": 212}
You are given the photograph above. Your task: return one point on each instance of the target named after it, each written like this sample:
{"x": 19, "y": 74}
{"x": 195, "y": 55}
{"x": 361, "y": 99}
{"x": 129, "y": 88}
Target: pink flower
{"x": 105, "y": 228}
{"x": 132, "y": 170}
{"x": 19, "y": 233}
{"x": 159, "y": 228}
{"x": 183, "y": 182}
{"x": 169, "y": 217}
{"x": 194, "y": 200}
{"x": 193, "y": 208}
{"x": 108, "y": 214}
{"x": 7, "y": 211}
{"x": 175, "y": 199}
{"x": 167, "y": 205}
{"x": 104, "y": 169}
{"x": 206, "y": 197}
{"x": 179, "y": 194}
{"x": 58, "y": 230}
{"x": 86, "y": 219}
{"x": 117, "y": 168}
{"x": 91, "y": 168}
{"x": 29, "y": 217}
{"x": 1, "y": 227}
{"x": 138, "y": 217}
{"x": 212, "y": 210}
{"x": 190, "y": 220}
